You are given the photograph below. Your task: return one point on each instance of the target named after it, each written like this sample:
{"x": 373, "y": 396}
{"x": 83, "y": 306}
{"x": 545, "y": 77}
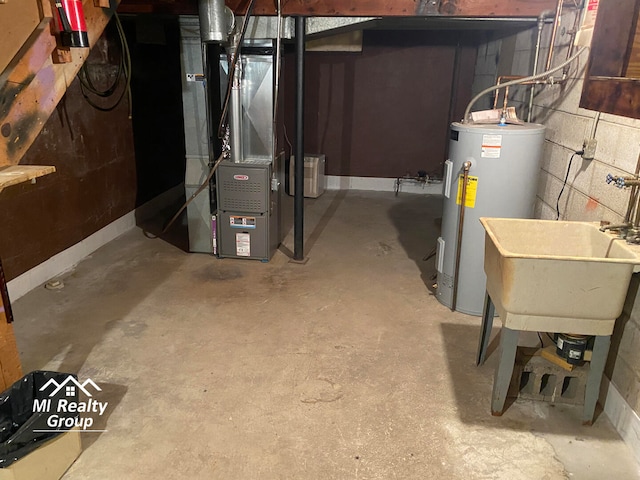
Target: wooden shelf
{"x": 16, "y": 174}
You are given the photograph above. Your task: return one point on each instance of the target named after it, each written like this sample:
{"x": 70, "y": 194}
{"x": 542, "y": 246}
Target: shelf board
{"x": 15, "y": 174}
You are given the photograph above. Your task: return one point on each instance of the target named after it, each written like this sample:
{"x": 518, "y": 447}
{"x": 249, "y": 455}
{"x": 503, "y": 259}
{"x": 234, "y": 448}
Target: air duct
{"x": 214, "y": 21}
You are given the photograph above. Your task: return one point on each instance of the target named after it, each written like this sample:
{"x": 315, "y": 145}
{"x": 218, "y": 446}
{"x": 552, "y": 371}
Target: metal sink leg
{"x": 485, "y": 329}
{"x": 594, "y": 379}
{"x": 504, "y": 369}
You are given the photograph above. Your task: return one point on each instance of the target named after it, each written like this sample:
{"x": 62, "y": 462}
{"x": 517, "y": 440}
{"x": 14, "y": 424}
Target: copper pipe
{"x": 572, "y": 34}
{"x": 554, "y": 33}
{"x": 463, "y": 198}
{"x": 536, "y": 58}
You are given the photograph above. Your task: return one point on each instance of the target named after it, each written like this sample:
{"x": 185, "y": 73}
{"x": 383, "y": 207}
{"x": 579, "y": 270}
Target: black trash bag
{"x": 23, "y": 422}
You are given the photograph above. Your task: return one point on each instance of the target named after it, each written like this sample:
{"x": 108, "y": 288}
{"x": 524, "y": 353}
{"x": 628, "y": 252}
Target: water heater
{"x": 502, "y": 180}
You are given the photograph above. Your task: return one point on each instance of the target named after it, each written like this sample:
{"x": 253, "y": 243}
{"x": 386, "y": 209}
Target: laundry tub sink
{"x": 554, "y": 276}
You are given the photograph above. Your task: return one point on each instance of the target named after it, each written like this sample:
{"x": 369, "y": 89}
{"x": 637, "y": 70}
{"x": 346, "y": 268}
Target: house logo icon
{"x": 71, "y": 386}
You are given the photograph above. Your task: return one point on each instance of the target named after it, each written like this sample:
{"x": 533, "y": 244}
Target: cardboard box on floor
{"x": 49, "y": 462}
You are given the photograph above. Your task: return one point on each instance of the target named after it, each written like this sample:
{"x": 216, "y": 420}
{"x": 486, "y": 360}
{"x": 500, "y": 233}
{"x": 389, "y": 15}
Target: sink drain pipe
{"x": 463, "y": 200}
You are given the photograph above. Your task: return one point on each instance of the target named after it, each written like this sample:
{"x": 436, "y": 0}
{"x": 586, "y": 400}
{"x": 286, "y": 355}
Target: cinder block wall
{"x": 586, "y": 195}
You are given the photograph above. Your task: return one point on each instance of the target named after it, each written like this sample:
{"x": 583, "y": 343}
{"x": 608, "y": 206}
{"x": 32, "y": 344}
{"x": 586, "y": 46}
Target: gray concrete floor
{"x": 346, "y": 367}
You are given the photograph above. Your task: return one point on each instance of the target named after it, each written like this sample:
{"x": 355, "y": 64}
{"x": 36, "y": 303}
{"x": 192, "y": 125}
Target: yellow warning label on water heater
{"x": 472, "y": 189}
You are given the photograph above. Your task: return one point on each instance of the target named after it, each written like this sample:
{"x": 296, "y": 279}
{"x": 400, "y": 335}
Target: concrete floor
{"x": 346, "y": 367}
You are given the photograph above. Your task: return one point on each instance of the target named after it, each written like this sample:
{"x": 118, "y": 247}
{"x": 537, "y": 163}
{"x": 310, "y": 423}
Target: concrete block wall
{"x": 586, "y": 195}
{"x": 486, "y": 68}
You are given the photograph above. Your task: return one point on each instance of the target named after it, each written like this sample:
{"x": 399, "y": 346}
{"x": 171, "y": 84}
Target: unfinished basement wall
{"x": 95, "y": 179}
{"x": 586, "y": 196}
{"x": 384, "y": 111}
{"x": 100, "y": 176}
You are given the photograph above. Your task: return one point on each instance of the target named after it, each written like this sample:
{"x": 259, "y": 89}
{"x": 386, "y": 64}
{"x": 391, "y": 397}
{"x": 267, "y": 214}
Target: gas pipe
{"x": 71, "y": 23}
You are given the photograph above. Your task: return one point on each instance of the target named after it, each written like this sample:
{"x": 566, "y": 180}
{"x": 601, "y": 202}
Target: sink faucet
{"x": 620, "y": 226}
{"x": 629, "y": 230}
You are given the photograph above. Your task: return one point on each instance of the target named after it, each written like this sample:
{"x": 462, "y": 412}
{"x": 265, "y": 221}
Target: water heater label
{"x": 472, "y": 189}
{"x": 243, "y": 245}
{"x": 491, "y": 145}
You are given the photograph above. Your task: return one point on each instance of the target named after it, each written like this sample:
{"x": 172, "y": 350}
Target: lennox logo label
{"x": 64, "y": 412}
{"x": 241, "y": 177}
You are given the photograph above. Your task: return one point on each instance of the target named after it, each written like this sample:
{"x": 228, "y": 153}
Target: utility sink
{"x": 565, "y": 277}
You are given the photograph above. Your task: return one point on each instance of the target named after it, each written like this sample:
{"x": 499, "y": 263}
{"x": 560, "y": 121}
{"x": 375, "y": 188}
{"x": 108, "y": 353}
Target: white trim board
{"x": 624, "y": 419}
{"x": 336, "y": 182}
{"x": 67, "y": 259}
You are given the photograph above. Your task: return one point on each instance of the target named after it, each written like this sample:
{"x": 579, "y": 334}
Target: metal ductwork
{"x": 215, "y": 20}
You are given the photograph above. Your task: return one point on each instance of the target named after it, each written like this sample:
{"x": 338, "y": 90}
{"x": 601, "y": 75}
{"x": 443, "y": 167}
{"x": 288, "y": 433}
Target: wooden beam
{"x": 18, "y": 18}
{"x": 22, "y": 173}
{"x": 28, "y": 106}
{"x": 359, "y": 8}
{"x": 401, "y": 8}
{"x": 31, "y": 56}
{"x": 167, "y": 7}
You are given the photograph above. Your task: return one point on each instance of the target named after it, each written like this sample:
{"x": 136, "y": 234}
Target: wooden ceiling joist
{"x": 356, "y": 8}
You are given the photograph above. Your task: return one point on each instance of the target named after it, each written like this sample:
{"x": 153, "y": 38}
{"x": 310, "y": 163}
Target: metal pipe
{"x": 298, "y": 200}
{"x": 554, "y": 33}
{"x": 213, "y": 21}
{"x": 572, "y": 35}
{"x": 463, "y": 198}
{"x": 235, "y": 112}
{"x": 521, "y": 81}
{"x": 536, "y": 58}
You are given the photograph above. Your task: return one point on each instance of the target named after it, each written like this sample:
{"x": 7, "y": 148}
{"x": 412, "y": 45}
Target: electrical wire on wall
{"x": 564, "y": 184}
{"x": 87, "y": 85}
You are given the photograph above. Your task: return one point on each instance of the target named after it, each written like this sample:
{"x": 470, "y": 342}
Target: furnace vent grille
{"x": 239, "y": 186}
{"x": 242, "y": 205}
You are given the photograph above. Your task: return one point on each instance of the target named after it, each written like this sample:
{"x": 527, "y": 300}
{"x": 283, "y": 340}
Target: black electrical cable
{"x": 195, "y": 194}
{"x": 124, "y": 69}
{"x": 566, "y": 178}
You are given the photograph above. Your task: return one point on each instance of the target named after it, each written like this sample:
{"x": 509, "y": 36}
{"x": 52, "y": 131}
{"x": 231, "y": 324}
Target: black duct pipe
{"x": 298, "y": 199}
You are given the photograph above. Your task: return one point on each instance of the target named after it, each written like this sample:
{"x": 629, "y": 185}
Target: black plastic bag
{"x": 25, "y": 412}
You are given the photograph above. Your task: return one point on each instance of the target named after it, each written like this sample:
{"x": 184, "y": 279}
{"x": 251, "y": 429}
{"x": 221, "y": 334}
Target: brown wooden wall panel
{"x": 632, "y": 69}
{"x": 609, "y": 35}
{"x": 384, "y": 112}
{"x": 618, "y": 96}
{"x": 95, "y": 182}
